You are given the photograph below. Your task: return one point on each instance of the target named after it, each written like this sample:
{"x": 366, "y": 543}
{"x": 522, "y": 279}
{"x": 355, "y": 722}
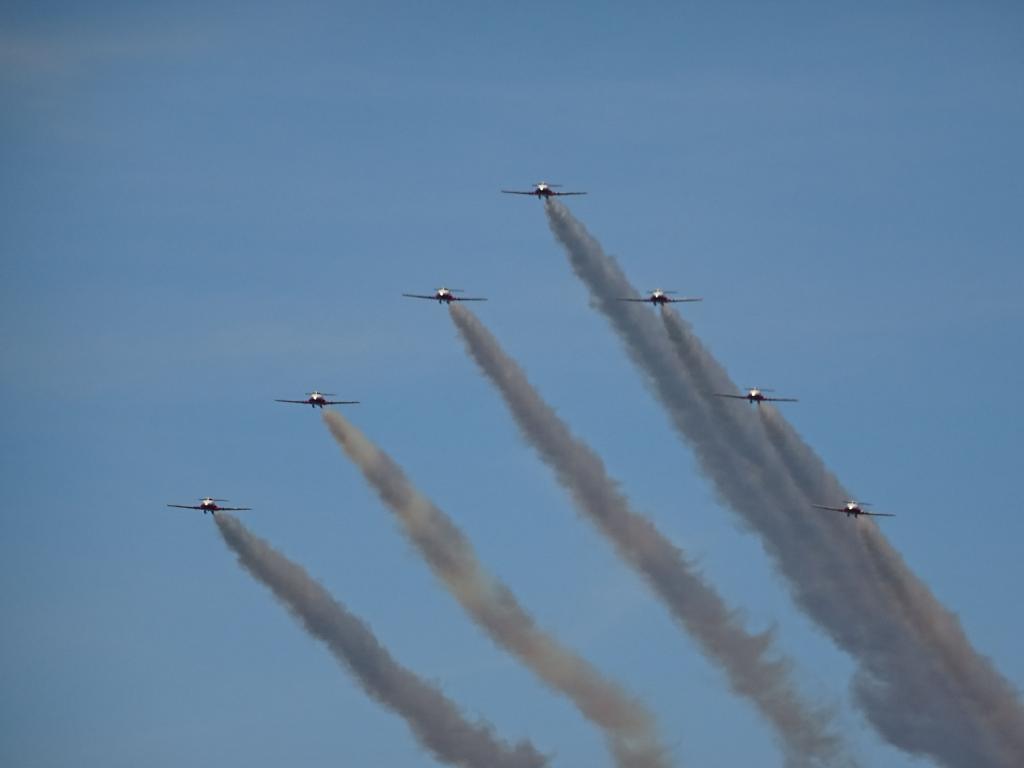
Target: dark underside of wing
{"x": 467, "y": 298}
{"x": 734, "y": 397}
{"x": 418, "y": 296}
{"x": 183, "y": 506}
{"x": 516, "y": 192}
{"x": 564, "y": 194}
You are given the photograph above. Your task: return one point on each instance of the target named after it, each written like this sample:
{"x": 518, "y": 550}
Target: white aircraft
{"x": 319, "y": 399}
{"x": 854, "y": 509}
{"x": 660, "y": 297}
{"x": 542, "y": 189}
{"x": 447, "y": 295}
{"x": 208, "y": 504}
{"x": 756, "y": 395}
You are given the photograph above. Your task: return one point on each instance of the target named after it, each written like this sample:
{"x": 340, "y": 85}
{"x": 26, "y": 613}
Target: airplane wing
{"x": 833, "y": 509}
{"x": 340, "y": 402}
{"x": 300, "y": 402}
{"x": 418, "y": 296}
{"x": 734, "y": 397}
{"x": 781, "y": 400}
{"x": 561, "y": 194}
{"x": 234, "y": 509}
{"x": 516, "y": 192}
{"x": 183, "y": 506}
{"x": 676, "y": 301}
{"x": 466, "y": 298}
{"x": 642, "y": 300}
{"x": 878, "y": 514}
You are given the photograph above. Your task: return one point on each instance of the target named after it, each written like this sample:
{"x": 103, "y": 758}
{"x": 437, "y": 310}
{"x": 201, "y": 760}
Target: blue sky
{"x": 202, "y": 210}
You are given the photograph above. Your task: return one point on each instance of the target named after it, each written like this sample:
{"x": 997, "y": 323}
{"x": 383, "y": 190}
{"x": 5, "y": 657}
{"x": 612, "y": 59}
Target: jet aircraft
{"x": 756, "y": 395}
{"x": 854, "y": 509}
{"x": 542, "y": 189}
{"x": 319, "y": 399}
{"x": 660, "y": 297}
{"x": 207, "y": 504}
{"x": 447, "y": 295}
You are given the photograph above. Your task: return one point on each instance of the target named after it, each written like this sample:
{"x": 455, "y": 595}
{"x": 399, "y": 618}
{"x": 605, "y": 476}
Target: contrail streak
{"x": 919, "y": 681}
{"x": 936, "y": 627}
{"x": 433, "y": 718}
{"x": 628, "y": 728}
{"x": 746, "y": 658}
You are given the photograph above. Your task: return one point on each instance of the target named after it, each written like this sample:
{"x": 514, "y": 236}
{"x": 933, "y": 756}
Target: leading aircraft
{"x": 542, "y": 189}
{"x": 447, "y": 295}
{"x": 854, "y": 509}
{"x": 756, "y": 395}
{"x": 319, "y": 399}
{"x": 660, "y": 298}
{"x": 207, "y": 504}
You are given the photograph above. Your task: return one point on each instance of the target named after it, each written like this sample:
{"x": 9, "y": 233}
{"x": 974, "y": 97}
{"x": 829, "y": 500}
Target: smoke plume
{"x": 628, "y": 728}
{"x": 919, "y": 681}
{"x": 433, "y": 718}
{"x": 937, "y": 628}
{"x": 752, "y": 668}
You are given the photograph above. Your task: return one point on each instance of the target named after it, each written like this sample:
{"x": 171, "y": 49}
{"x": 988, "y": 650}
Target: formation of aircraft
{"x": 447, "y": 295}
{"x": 854, "y": 509}
{"x": 659, "y": 297}
{"x": 757, "y": 395}
{"x": 542, "y": 189}
{"x": 208, "y": 504}
{"x": 319, "y": 399}
{"x": 656, "y": 297}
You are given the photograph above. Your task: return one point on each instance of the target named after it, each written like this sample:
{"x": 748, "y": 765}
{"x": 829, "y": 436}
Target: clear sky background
{"x": 203, "y": 209}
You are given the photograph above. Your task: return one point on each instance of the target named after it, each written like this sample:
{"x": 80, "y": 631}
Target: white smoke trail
{"x": 974, "y": 675}
{"x": 628, "y": 728}
{"x": 921, "y": 691}
{"x": 746, "y": 658}
{"x": 433, "y": 718}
